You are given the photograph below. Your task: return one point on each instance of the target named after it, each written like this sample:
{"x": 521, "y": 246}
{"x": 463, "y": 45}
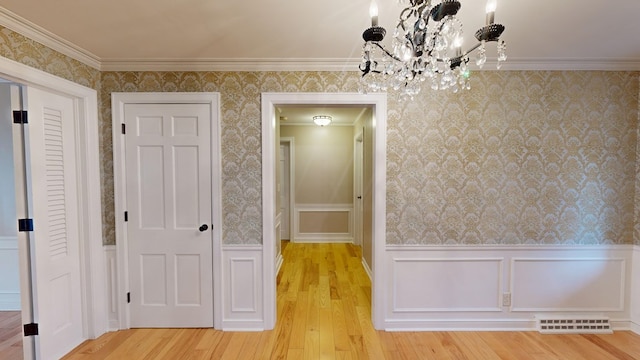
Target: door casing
{"x": 378, "y": 102}
{"x": 118, "y": 102}
{"x": 93, "y": 276}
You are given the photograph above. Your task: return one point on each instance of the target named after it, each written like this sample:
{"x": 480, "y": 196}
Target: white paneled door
{"x": 53, "y": 206}
{"x": 168, "y": 187}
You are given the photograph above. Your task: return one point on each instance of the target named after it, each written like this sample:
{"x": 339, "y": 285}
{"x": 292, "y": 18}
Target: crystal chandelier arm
{"x": 387, "y": 52}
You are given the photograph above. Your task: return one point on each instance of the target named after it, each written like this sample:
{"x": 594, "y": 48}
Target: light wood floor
{"x": 10, "y": 335}
{"x": 324, "y": 312}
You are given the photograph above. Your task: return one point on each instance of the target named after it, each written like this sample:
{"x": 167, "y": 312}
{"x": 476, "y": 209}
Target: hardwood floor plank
{"x": 10, "y": 335}
{"x": 612, "y": 348}
{"x": 324, "y": 311}
{"x": 340, "y": 334}
{"x": 299, "y": 325}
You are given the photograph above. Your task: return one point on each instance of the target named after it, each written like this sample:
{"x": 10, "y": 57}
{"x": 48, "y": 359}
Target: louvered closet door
{"x": 53, "y": 204}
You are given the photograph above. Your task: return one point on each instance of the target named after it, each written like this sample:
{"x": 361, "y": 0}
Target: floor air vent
{"x": 573, "y": 325}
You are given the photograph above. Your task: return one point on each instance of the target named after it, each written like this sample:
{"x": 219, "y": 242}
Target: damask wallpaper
{"x": 26, "y": 51}
{"x": 524, "y": 157}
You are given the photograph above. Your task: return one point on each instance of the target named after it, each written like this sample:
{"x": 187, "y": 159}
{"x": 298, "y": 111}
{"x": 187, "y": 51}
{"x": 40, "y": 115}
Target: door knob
{"x": 203, "y": 227}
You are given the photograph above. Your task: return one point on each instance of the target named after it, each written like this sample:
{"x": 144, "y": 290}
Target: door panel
{"x": 53, "y": 205}
{"x": 168, "y": 185}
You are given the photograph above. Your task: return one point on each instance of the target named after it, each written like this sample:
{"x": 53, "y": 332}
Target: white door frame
{"x": 292, "y": 183}
{"x": 118, "y": 102}
{"x": 358, "y": 181}
{"x": 93, "y": 275}
{"x": 269, "y": 148}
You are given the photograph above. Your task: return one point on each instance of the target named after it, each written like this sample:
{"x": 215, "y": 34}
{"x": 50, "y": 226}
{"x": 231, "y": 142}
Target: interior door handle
{"x": 203, "y": 227}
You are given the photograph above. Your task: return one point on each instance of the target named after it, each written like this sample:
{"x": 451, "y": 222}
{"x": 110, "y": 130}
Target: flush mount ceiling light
{"x": 322, "y": 120}
{"x": 426, "y": 48}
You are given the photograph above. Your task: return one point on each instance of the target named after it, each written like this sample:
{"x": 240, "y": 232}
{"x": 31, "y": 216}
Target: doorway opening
{"x": 270, "y": 145}
{"x": 10, "y": 304}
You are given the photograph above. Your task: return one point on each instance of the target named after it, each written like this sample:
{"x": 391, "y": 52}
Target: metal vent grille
{"x": 574, "y": 325}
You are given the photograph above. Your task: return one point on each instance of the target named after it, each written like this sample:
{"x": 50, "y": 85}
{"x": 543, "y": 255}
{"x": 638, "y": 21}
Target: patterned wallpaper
{"x": 525, "y": 157}
{"x": 26, "y": 51}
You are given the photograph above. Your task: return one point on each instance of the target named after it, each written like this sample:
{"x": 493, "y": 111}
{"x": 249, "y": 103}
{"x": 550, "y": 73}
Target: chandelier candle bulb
{"x": 373, "y": 12}
{"x": 491, "y": 11}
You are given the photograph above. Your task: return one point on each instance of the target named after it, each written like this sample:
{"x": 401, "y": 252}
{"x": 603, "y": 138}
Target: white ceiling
{"x": 307, "y": 35}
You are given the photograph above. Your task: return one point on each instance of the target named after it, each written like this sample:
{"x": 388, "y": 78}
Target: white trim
{"x": 597, "y": 249}
{"x": 292, "y": 185}
{"x": 304, "y": 237}
{"x": 635, "y": 290}
{"x": 379, "y": 105}
{"x": 111, "y": 265}
{"x": 10, "y": 295}
{"x": 367, "y": 269}
{"x": 488, "y": 324}
{"x": 621, "y": 295}
{"x": 117, "y": 109}
{"x": 92, "y": 265}
{"x": 10, "y": 301}
{"x": 9, "y": 242}
{"x": 454, "y": 288}
{"x": 22, "y": 26}
{"x": 231, "y": 64}
{"x": 37, "y": 33}
{"x": 243, "y": 303}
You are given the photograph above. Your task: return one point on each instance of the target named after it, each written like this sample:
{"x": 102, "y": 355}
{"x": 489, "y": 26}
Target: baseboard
{"x": 279, "y": 261}
{"x": 9, "y": 268}
{"x": 462, "y": 325}
{"x": 367, "y": 269}
{"x": 10, "y": 302}
{"x": 243, "y": 326}
{"x": 322, "y": 239}
{"x": 483, "y": 325}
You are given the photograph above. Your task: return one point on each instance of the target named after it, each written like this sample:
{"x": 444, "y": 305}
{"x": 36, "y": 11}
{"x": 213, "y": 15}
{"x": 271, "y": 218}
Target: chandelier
{"x": 426, "y": 48}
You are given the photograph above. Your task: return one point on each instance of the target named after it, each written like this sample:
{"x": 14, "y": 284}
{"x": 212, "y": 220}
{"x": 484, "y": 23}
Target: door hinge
{"x": 124, "y": 129}
{"x": 20, "y": 117}
{"x": 30, "y": 329}
{"x": 128, "y": 298}
{"x": 126, "y": 216}
{"x": 25, "y": 224}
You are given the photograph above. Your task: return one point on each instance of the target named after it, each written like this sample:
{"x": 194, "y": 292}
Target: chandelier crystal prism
{"x": 426, "y": 49}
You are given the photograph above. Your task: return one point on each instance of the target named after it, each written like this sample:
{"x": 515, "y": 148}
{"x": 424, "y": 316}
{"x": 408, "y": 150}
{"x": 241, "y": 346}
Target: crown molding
{"x": 567, "y": 64}
{"x": 36, "y": 33}
{"x": 32, "y": 31}
{"x": 231, "y": 64}
{"x": 243, "y": 64}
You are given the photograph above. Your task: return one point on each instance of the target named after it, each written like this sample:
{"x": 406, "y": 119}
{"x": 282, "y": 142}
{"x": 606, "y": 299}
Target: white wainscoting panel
{"x": 443, "y": 285}
{"x": 504, "y": 287}
{"x": 242, "y": 287}
{"x": 322, "y": 237}
{"x": 568, "y": 284}
{"x": 635, "y": 291}
{"x": 110, "y": 261}
{"x": 9, "y": 274}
